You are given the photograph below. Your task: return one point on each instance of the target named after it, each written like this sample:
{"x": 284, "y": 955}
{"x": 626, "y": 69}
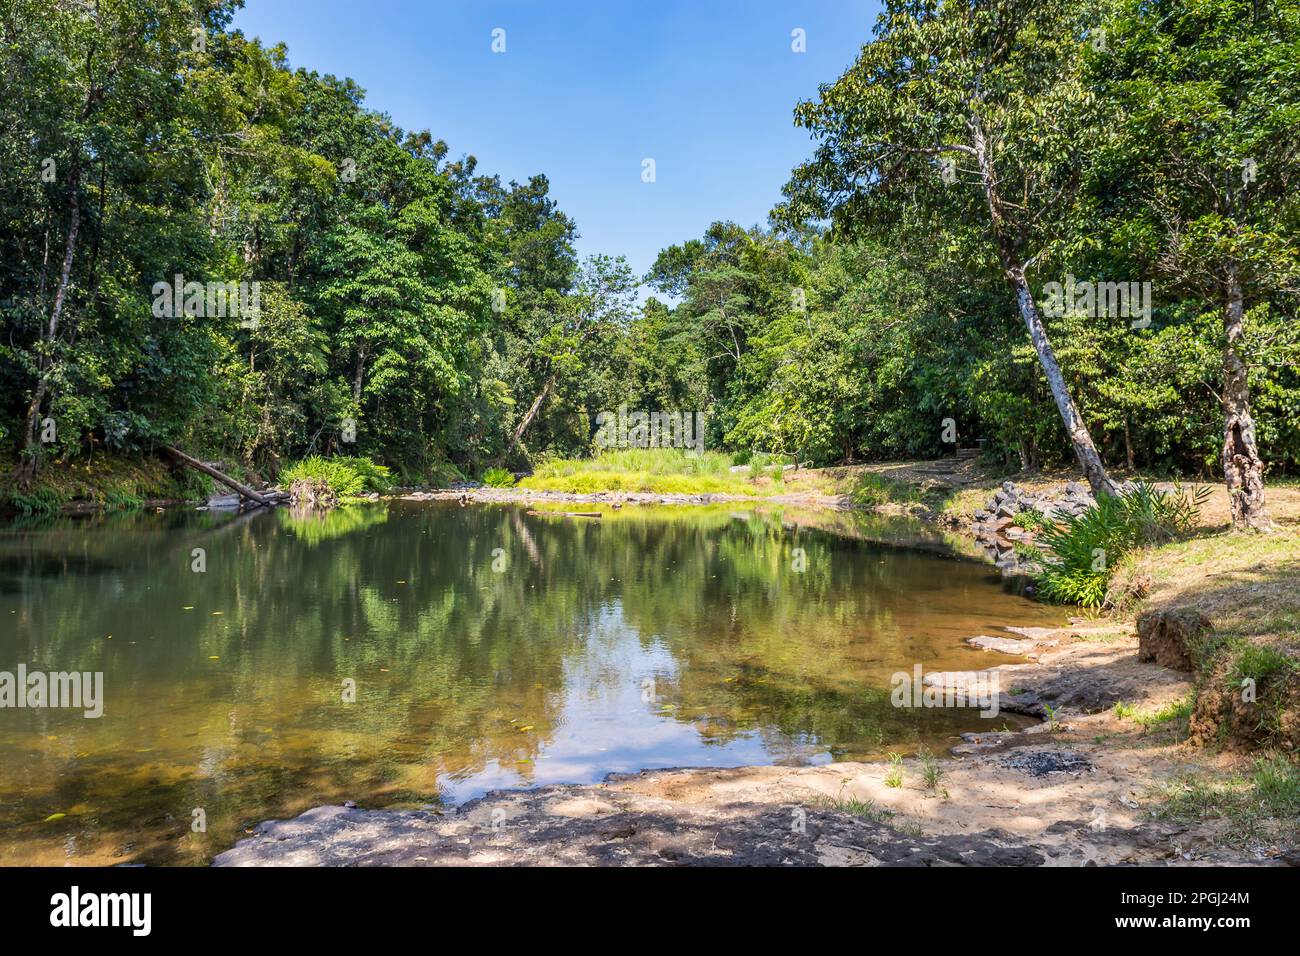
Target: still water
{"x": 489, "y": 648}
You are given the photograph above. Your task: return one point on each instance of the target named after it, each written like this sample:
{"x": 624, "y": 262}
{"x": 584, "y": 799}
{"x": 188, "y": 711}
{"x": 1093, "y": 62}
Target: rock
{"x": 312, "y": 493}
{"x": 969, "y": 680}
{"x": 593, "y": 826}
{"x": 1168, "y": 637}
{"x": 1032, "y": 633}
{"x": 1003, "y": 645}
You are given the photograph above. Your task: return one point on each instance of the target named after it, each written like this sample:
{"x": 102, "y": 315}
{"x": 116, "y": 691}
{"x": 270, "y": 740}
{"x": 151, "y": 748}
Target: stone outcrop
{"x": 594, "y": 826}
{"x": 997, "y": 533}
{"x": 312, "y": 493}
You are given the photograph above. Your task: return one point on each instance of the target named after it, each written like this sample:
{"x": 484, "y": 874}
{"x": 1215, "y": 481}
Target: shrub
{"x": 1084, "y": 550}
{"x": 346, "y": 477}
{"x": 38, "y": 501}
{"x": 498, "y": 478}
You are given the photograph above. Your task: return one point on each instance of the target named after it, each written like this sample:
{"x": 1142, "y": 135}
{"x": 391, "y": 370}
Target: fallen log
{"x": 243, "y": 490}
{"x": 566, "y": 514}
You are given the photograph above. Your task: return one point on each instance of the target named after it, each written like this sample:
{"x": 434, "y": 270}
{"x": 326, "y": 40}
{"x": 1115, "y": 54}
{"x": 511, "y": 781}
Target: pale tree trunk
{"x": 358, "y": 377}
{"x": 527, "y": 420}
{"x": 1080, "y": 438}
{"x": 31, "y": 450}
{"x": 1243, "y": 471}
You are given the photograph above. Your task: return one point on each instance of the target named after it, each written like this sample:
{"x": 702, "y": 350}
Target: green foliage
{"x": 419, "y": 312}
{"x": 1259, "y": 662}
{"x": 655, "y": 470}
{"x": 348, "y": 477}
{"x": 1030, "y": 521}
{"x": 499, "y": 478}
{"x": 37, "y": 501}
{"x": 1082, "y": 551}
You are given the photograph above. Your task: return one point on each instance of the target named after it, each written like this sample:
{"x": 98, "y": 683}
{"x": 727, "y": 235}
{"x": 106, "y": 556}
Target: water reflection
{"x": 490, "y": 648}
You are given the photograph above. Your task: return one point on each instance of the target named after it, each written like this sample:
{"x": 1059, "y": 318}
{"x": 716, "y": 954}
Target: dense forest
{"x": 157, "y": 168}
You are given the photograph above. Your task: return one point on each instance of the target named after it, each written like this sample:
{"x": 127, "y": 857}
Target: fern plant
{"x": 1082, "y": 550}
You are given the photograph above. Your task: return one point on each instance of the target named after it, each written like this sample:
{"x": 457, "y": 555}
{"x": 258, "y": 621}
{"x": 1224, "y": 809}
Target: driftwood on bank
{"x": 241, "y": 489}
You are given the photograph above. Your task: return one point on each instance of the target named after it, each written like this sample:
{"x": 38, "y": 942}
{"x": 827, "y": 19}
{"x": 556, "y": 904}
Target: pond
{"x": 412, "y": 654}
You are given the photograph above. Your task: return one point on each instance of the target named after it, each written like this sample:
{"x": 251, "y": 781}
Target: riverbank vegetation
{"x": 416, "y": 310}
{"x": 663, "y": 471}
{"x": 1082, "y": 551}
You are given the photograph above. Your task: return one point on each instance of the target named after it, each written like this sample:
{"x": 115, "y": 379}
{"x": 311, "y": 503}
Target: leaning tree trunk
{"x": 1243, "y": 471}
{"x": 1080, "y": 438}
{"x": 1084, "y": 449}
{"x": 527, "y": 420}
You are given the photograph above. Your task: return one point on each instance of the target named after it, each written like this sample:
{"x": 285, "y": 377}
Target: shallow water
{"x": 653, "y": 637}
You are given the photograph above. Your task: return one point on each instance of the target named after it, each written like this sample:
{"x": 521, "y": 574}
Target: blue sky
{"x": 586, "y": 90}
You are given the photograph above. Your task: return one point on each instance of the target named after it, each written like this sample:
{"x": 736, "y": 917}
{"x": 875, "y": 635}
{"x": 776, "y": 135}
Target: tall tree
{"x": 966, "y": 112}
{"x": 1202, "y": 180}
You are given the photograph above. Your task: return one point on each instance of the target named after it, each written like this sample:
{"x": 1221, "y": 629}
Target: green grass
{"x": 653, "y": 470}
{"x": 869, "y": 490}
{"x": 894, "y": 779}
{"x": 499, "y": 478}
{"x": 347, "y": 477}
{"x": 1180, "y": 709}
{"x": 1258, "y": 662}
{"x": 931, "y": 772}
{"x": 866, "y": 809}
{"x": 1255, "y": 804}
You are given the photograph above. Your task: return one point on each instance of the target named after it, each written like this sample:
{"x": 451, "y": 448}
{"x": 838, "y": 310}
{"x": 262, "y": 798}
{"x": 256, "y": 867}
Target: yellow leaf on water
{"x": 55, "y": 816}
{"x": 527, "y": 727}
{"x": 214, "y": 657}
{"x": 189, "y": 608}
